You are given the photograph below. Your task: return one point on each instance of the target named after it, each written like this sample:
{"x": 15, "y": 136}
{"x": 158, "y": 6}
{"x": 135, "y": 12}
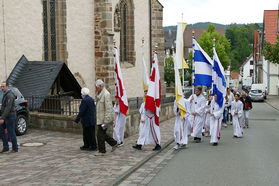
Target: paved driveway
{"x": 60, "y": 162}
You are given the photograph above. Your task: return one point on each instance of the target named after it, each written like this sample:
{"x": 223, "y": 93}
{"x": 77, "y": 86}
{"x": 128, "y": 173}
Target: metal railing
{"x": 69, "y": 106}
{"x": 54, "y": 104}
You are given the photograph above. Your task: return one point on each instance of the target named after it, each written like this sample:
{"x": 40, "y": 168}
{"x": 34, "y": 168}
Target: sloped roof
{"x": 270, "y": 25}
{"x": 35, "y": 78}
{"x": 247, "y": 60}
{"x": 235, "y": 75}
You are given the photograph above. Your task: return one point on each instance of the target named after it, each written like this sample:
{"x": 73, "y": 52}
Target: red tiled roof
{"x": 234, "y": 75}
{"x": 271, "y": 25}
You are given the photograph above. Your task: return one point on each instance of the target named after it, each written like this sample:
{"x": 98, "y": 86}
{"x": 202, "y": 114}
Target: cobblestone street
{"x": 60, "y": 162}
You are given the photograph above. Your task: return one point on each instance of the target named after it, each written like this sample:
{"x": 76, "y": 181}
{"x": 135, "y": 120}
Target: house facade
{"x": 270, "y": 71}
{"x": 82, "y": 34}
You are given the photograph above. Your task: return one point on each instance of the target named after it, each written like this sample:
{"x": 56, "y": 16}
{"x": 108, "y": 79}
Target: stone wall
{"x": 158, "y": 41}
{"x": 104, "y": 67}
{"x": 67, "y": 124}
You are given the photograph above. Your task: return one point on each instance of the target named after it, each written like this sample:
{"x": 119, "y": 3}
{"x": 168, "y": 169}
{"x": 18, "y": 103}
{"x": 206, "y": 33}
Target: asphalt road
{"x": 251, "y": 160}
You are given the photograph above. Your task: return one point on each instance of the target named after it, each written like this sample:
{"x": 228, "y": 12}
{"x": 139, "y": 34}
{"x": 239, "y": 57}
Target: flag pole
{"x": 214, "y": 40}
{"x": 193, "y": 64}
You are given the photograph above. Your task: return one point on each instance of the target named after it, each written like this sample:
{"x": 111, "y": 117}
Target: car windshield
{"x": 256, "y": 91}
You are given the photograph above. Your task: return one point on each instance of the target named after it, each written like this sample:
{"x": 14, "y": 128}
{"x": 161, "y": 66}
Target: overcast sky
{"x": 217, "y": 11}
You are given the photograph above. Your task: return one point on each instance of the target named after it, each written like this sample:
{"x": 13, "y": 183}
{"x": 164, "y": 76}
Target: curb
{"x": 272, "y": 106}
{"x": 139, "y": 164}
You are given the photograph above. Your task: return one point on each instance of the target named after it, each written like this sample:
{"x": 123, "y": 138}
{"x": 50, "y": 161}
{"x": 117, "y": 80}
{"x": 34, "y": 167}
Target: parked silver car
{"x": 256, "y": 95}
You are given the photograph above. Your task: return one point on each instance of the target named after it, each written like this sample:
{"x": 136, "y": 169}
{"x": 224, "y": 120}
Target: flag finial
{"x": 214, "y": 40}
{"x": 156, "y": 47}
{"x": 142, "y": 41}
{"x": 193, "y": 33}
{"x": 114, "y": 42}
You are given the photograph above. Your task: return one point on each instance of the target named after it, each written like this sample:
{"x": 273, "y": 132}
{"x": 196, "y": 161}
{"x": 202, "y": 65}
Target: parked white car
{"x": 256, "y": 95}
{"x": 261, "y": 87}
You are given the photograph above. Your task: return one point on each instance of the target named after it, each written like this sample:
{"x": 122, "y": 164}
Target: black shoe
{"x": 92, "y": 149}
{"x": 84, "y": 148}
{"x": 235, "y": 136}
{"x": 138, "y": 147}
{"x": 198, "y": 140}
{"x": 215, "y": 144}
{"x": 4, "y": 150}
{"x": 157, "y": 147}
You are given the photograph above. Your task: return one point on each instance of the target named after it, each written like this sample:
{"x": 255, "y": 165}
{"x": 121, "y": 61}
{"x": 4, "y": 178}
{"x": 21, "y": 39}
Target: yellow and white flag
{"x": 179, "y": 93}
{"x": 179, "y": 58}
{"x": 144, "y": 72}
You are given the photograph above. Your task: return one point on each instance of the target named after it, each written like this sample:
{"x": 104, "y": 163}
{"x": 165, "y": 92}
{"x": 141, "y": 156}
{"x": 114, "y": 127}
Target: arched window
{"x": 123, "y": 31}
{"x": 127, "y": 30}
{"x": 49, "y": 30}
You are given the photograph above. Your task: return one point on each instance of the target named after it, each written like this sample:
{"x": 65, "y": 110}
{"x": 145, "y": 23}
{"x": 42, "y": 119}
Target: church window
{"x": 125, "y": 23}
{"x": 49, "y": 30}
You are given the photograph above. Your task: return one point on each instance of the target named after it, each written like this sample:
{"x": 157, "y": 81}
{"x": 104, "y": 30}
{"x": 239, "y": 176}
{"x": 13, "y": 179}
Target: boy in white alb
{"x": 119, "y": 124}
{"x": 197, "y": 103}
{"x": 181, "y": 126}
{"x": 237, "y": 111}
{"x": 216, "y": 116}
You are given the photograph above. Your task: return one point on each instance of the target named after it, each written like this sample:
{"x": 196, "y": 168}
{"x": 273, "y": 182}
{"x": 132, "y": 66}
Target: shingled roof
{"x": 36, "y": 78}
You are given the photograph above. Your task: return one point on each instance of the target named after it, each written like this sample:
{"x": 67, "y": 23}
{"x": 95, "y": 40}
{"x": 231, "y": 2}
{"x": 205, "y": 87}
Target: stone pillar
{"x": 104, "y": 62}
{"x": 158, "y": 38}
{"x": 61, "y": 35}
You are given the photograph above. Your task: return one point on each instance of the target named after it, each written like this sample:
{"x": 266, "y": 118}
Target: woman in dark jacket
{"x": 88, "y": 120}
{"x": 247, "y": 105}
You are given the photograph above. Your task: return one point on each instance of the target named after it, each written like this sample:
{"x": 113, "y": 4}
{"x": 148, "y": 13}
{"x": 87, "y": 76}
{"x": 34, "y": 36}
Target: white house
{"x": 247, "y": 71}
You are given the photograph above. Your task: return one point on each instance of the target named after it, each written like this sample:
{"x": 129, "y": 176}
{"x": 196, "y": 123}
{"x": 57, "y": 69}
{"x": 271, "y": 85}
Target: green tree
{"x": 241, "y": 39}
{"x": 222, "y": 45}
{"x": 271, "y": 51}
{"x": 169, "y": 70}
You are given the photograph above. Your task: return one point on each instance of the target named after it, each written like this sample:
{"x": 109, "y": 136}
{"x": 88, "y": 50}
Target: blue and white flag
{"x": 203, "y": 66}
{"x": 219, "y": 80}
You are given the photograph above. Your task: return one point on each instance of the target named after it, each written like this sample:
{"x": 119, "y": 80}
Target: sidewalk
{"x": 273, "y": 101}
{"x": 60, "y": 162}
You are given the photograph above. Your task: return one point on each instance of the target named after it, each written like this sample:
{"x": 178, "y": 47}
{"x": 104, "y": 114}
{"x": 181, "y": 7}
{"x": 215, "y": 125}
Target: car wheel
{"x": 21, "y": 125}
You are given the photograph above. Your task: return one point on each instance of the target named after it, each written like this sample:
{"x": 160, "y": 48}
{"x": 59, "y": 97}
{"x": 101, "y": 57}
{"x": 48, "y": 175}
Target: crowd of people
{"x": 204, "y": 117}
{"x": 207, "y": 117}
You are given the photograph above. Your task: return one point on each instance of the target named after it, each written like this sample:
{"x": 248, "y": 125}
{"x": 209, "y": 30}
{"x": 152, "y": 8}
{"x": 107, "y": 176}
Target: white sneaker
{"x": 120, "y": 144}
{"x": 176, "y": 146}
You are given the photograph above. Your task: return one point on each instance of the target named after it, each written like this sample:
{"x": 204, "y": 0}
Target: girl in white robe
{"x": 216, "y": 116}
{"x": 181, "y": 126}
{"x": 119, "y": 124}
{"x": 206, "y": 125}
{"x": 237, "y": 112}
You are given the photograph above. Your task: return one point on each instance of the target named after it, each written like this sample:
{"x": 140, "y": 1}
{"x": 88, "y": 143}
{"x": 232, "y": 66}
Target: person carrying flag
{"x": 153, "y": 103}
{"x": 216, "y": 116}
{"x": 121, "y": 102}
{"x": 197, "y": 104}
{"x": 144, "y": 125}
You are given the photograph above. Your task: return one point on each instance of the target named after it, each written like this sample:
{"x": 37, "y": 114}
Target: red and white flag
{"x": 153, "y": 99}
{"x": 119, "y": 84}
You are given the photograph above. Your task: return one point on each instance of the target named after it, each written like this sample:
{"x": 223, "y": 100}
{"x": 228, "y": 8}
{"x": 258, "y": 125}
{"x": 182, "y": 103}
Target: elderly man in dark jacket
{"x": 8, "y": 117}
{"x": 88, "y": 120}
